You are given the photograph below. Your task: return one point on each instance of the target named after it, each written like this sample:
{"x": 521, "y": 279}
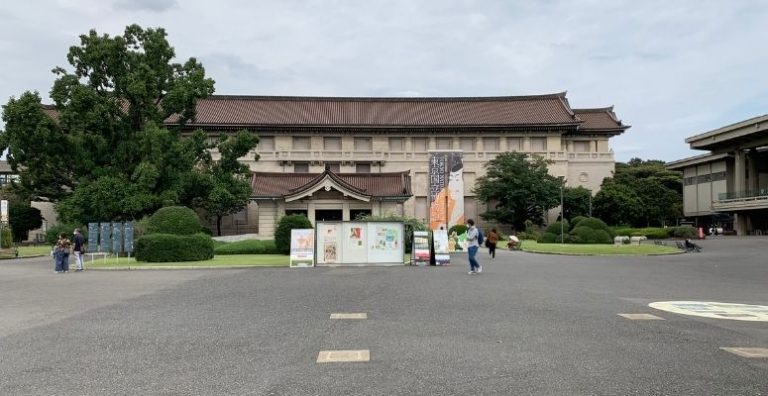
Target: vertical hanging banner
{"x": 446, "y": 189}
{"x": 4, "y": 211}
{"x": 105, "y": 244}
{"x": 442, "y": 256}
{"x": 117, "y": 237}
{"x": 128, "y": 237}
{"x": 93, "y": 236}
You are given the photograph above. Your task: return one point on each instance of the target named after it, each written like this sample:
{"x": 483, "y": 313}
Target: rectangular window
{"x": 419, "y": 145}
{"x": 363, "y": 144}
{"x": 301, "y": 167}
{"x": 514, "y": 144}
{"x": 490, "y": 144}
{"x": 266, "y": 143}
{"x": 301, "y": 143}
{"x": 538, "y": 144}
{"x": 396, "y": 144}
{"x": 363, "y": 168}
{"x": 581, "y": 147}
{"x": 444, "y": 143}
{"x": 467, "y": 144}
{"x": 332, "y": 143}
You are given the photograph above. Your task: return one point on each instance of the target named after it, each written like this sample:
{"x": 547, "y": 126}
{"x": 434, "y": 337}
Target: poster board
{"x": 420, "y": 248}
{"x": 93, "y": 236}
{"x": 328, "y": 246}
{"x": 385, "y": 243}
{"x": 457, "y": 243}
{"x": 117, "y": 237}
{"x": 105, "y": 244}
{"x": 128, "y": 237}
{"x": 302, "y": 248}
{"x": 440, "y": 239}
{"x": 354, "y": 237}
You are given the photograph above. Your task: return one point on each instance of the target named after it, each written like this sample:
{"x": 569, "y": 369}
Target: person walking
{"x": 493, "y": 238}
{"x": 61, "y": 254}
{"x": 472, "y": 247}
{"x": 78, "y": 249}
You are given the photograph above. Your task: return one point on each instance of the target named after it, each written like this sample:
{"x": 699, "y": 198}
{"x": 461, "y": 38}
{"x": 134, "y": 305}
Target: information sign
{"x": 302, "y": 248}
{"x": 420, "y": 248}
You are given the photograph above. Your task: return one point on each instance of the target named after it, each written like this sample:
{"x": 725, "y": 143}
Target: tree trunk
{"x": 218, "y": 225}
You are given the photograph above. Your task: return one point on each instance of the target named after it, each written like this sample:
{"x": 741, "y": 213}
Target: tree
{"x": 23, "y": 218}
{"x": 576, "y": 202}
{"x": 617, "y": 204}
{"x": 104, "y": 133}
{"x": 227, "y": 188}
{"x": 518, "y": 187}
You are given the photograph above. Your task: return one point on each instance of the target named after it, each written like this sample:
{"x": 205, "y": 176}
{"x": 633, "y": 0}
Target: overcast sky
{"x": 671, "y": 68}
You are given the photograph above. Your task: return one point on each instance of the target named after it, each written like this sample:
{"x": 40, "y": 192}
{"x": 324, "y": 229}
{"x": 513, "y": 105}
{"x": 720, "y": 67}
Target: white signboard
{"x": 354, "y": 236}
{"x": 4, "y": 211}
{"x": 302, "y": 248}
{"x": 385, "y": 243}
{"x": 440, "y": 239}
{"x": 328, "y": 246}
{"x": 420, "y": 248}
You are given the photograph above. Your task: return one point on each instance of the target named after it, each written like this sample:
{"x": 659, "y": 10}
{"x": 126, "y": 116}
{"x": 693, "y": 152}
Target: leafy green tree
{"x": 226, "y": 183}
{"x": 518, "y": 188}
{"x": 576, "y": 202}
{"x": 617, "y": 204}
{"x": 23, "y": 218}
{"x": 104, "y": 133}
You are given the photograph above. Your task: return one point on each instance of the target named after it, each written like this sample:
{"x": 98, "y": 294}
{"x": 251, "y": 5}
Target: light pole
{"x": 562, "y": 210}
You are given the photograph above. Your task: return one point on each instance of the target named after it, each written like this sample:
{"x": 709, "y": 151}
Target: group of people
{"x": 64, "y": 246}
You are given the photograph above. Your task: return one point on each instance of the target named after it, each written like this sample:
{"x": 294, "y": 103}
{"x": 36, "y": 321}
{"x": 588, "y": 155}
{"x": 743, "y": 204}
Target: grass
{"x": 598, "y": 250}
{"x": 250, "y": 246}
{"x": 26, "y": 251}
{"x": 240, "y": 260}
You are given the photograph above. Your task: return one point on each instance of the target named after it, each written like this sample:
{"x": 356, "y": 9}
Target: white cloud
{"x": 672, "y": 69}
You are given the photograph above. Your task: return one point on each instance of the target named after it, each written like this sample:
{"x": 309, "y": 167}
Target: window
{"x": 396, "y": 144}
{"x": 419, "y": 144}
{"x": 581, "y": 147}
{"x": 301, "y": 167}
{"x": 335, "y": 167}
{"x": 467, "y": 144}
{"x": 363, "y": 168}
{"x": 490, "y": 144}
{"x": 539, "y": 144}
{"x": 363, "y": 144}
{"x": 444, "y": 143}
{"x": 331, "y": 143}
{"x": 266, "y": 143}
{"x": 514, "y": 144}
{"x": 301, "y": 143}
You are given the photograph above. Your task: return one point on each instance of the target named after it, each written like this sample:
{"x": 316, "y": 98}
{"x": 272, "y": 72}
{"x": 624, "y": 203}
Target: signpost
{"x": 440, "y": 239}
{"x": 420, "y": 248}
{"x": 302, "y": 248}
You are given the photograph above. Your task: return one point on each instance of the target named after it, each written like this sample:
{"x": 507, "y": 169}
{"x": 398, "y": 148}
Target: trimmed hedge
{"x": 684, "y": 232}
{"x": 6, "y": 239}
{"x": 176, "y": 220}
{"x": 552, "y": 233}
{"x": 251, "y": 246}
{"x": 459, "y": 228}
{"x": 576, "y": 220}
{"x": 52, "y": 234}
{"x": 584, "y": 234}
{"x": 164, "y": 248}
{"x": 283, "y": 231}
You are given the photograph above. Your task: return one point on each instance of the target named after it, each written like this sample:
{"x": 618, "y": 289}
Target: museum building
{"x": 334, "y": 158}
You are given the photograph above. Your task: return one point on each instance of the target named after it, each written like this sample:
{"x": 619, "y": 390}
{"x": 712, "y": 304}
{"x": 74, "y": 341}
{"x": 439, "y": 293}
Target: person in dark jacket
{"x": 78, "y": 249}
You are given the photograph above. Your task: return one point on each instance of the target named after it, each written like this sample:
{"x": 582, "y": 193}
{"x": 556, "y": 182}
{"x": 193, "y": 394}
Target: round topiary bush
{"x": 176, "y": 220}
{"x": 582, "y": 234}
{"x": 283, "y": 231}
{"x": 685, "y": 231}
{"x": 549, "y": 237}
{"x": 576, "y": 220}
{"x": 164, "y": 248}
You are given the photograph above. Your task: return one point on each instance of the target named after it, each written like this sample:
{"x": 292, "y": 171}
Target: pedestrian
{"x": 78, "y": 249}
{"x": 61, "y": 253}
{"x": 493, "y": 238}
{"x": 472, "y": 247}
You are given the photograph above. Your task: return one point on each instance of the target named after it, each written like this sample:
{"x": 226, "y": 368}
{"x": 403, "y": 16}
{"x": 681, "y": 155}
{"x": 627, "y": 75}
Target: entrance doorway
{"x": 329, "y": 215}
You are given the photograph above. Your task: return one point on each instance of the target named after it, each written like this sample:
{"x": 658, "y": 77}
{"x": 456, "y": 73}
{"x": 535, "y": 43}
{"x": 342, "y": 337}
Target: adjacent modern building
{"x": 728, "y": 186}
{"x": 333, "y": 158}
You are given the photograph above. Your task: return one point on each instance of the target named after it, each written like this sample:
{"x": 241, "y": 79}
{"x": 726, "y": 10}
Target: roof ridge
{"x": 560, "y": 95}
{"x": 595, "y": 109}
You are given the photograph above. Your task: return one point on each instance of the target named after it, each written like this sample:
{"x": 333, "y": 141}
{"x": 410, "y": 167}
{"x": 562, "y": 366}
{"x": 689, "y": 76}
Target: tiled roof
{"x": 379, "y": 185}
{"x": 599, "y": 119}
{"x": 241, "y": 111}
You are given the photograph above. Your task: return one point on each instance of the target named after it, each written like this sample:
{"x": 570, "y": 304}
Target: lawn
{"x": 598, "y": 250}
{"x": 239, "y": 260}
{"x": 26, "y": 251}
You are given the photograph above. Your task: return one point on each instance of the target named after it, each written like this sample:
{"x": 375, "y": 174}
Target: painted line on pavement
{"x": 359, "y": 356}
{"x": 641, "y": 316}
{"x": 349, "y": 316}
{"x": 752, "y": 353}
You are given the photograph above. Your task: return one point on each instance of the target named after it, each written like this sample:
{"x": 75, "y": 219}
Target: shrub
{"x": 283, "y": 231}
{"x": 549, "y": 237}
{"x": 410, "y": 224}
{"x": 251, "y": 246}
{"x": 530, "y": 234}
{"x": 576, "y": 220}
{"x": 6, "y": 240}
{"x": 176, "y": 220}
{"x": 685, "y": 231}
{"x": 595, "y": 224}
{"x": 583, "y": 234}
{"x": 164, "y": 248}
{"x": 52, "y": 234}
{"x": 555, "y": 227}
{"x": 552, "y": 233}
{"x": 140, "y": 227}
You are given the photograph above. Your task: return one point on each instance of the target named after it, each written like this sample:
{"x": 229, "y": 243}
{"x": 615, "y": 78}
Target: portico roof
{"x": 361, "y": 186}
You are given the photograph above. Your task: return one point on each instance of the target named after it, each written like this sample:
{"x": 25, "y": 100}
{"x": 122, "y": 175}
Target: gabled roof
{"x": 601, "y": 119}
{"x": 265, "y": 111}
{"x": 363, "y": 186}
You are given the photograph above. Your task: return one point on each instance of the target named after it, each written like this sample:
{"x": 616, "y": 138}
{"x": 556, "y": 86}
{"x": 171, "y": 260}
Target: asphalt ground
{"x": 528, "y": 325}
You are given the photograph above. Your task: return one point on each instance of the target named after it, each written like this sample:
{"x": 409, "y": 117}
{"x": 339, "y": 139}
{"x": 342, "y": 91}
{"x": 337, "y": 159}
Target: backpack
{"x": 480, "y": 237}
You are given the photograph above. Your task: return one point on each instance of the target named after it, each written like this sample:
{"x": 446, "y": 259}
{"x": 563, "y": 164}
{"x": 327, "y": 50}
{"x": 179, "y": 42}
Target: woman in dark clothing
{"x": 493, "y": 238}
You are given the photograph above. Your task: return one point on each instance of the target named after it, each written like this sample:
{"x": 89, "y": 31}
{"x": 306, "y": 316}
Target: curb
{"x": 602, "y": 255}
{"x": 181, "y": 267}
{"x": 24, "y": 257}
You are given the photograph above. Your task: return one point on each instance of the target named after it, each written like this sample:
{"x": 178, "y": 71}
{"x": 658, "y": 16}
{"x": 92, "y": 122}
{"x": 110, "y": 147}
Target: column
{"x": 311, "y": 212}
{"x": 753, "y": 183}
{"x": 739, "y": 172}
{"x": 345, "y": 211}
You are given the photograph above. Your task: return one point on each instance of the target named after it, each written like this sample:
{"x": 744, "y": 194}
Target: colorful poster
{"x": 457, "y": 243}
{"x": 446, "y": 189}
{"x": 330, "y": 243}
{"x": 440, "y": 239}
{"x": 385, "y": 243}
{"x": 302, "y": 248}
{"x": 354, "y": 243}
{"x": 420, "y": 248}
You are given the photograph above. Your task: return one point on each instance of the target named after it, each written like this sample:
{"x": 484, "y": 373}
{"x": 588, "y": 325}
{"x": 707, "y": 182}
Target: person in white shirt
{"x": 472, "y": 247}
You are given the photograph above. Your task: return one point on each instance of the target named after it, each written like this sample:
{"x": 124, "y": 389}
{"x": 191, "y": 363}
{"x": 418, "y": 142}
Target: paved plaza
{"x": 529, "y": 324}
